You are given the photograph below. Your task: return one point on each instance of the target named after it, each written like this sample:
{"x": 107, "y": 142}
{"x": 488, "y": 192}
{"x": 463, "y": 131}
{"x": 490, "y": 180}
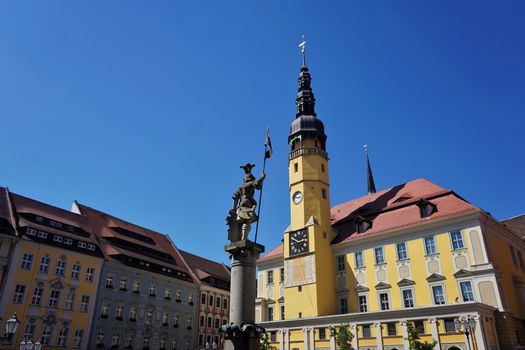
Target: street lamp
{"x": 466, "y": 325}
{"x": 29, "y": 345}
{"x": 11, "y": 325}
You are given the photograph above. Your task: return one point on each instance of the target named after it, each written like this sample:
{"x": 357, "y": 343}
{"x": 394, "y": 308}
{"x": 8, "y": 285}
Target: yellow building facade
{"x": 53, "y": 275}
{"x": 414, "y": 253}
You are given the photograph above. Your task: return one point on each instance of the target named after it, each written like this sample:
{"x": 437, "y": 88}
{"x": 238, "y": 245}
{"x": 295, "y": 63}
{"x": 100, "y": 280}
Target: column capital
{"x": 377, "y": 324}
{"x": 433, "y": 320}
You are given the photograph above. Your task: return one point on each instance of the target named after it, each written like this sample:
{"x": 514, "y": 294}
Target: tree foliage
{"x": 343, "y": 337}
{"x": 415, "y": 343}
{"x": 265, "y": 342}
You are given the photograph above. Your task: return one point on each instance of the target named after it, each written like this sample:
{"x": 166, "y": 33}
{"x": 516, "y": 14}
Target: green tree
{"x": 343, "y": 337}
{"x": 265, "y": 342}
{"x": 413, "y": 339}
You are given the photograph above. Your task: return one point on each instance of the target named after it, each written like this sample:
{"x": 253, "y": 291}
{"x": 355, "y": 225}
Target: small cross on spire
{"x": 302, "y": 45}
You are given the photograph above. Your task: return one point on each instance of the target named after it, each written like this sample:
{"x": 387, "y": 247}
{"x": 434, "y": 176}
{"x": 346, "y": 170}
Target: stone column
{"x": 312, "y": 339}
{"x": 435, "y": 333}
{"x": 379, "y": 336}
{"x": 353, "y": 329}
{"x": 281, "y": 339}
{"x": 243, "y": 255}
{"x": 478, "y": 334}
{"x": 286, "y": 339}
{"x": 406, "y": 344}
{"x": 332, "y": 338}
{"x": 305, "y": 338}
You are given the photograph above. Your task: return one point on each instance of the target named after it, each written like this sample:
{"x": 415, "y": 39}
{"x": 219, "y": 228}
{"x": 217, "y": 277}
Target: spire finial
{"x": 369, "y": 176}
{"x": 302, "y": 45}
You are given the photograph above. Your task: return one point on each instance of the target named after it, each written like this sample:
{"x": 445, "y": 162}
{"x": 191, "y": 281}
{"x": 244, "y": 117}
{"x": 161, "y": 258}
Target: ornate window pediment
{"x": 360, "y": 288}
{"x": 405, "y": 282}
{"x": 49, "y": 318}
{"x": 435, "y": 278}
{"x": 382, "y": 285}
{"x": 57, "y": 284}
{"x": 462, "y": 273}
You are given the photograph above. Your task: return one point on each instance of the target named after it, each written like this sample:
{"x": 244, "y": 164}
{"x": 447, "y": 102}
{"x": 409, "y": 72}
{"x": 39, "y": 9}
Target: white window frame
{"x": 84, "y": 303}
{"x": 54, "y": 298}
{"x": 359, "y": 302}
{"x": 57, "y": 238}
{"x": 403, "y": 298}
{"x": 340, "y": 263}
{"x": 452, "y": 240}
{"x": 382, "y": 249}
{"x": 42, "y": 234}
{"x": 45, "y": 261}
{"x": 62, "y": 335}
{"x": 36, "y": 298}
{"x": 19, "y": 293}
{"x": 61, "y": 267}
{"x": 434, "y": 245}
{"x": 474, "y": 297}
{"x": 431, "y": 288}
{"x": 406, "y": 251}
{"x": 27, "y": 261}
{"x": 75, "y": 271}
{"x": 70, "y": 300}
{"x": 90, "y": 274}
{"x": 362, "y": 254}
{"x": 68, "y": 241}
{"x": 387, "y": 292}
{"x": 77, "y": 339}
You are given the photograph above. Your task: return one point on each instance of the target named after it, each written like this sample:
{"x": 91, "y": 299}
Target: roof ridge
{"x": 119, "y": 219}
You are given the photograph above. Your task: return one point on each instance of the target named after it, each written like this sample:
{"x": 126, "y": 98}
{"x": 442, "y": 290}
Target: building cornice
{"x": 451, "y": 310}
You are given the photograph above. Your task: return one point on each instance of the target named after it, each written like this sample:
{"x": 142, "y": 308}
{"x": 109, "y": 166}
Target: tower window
{"x": 324, "y": 193}
{"x": 295, "y": 167}
{"x": 322, "y": 167}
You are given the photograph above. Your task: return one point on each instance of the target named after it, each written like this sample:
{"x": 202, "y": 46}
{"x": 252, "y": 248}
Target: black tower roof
{"x": 306, "y": 122}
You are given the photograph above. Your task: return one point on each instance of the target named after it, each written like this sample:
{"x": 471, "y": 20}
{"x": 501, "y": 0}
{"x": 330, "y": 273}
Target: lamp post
{"x": 466, "y": 325}
{"x": 11, "y": 326}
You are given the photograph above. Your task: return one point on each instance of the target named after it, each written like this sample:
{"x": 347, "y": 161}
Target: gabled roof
{"x": 54, "y": 221}
{"x": 391, "y": 209}
{"x": 120, "y": 238}
{"x": 205, "y": 268}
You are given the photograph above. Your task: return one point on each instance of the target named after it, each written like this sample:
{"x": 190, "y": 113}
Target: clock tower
{"x": 309, "y": 262}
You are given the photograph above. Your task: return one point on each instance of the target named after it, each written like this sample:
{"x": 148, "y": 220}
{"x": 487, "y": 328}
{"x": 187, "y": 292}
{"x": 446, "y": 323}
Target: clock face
{"x": 297, "y": 197}
{"x": 298, "y": 242}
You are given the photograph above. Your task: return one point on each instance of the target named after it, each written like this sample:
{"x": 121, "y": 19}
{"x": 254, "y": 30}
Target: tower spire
{"x": 369, "y": 176}
{"x": 305, "y": 101}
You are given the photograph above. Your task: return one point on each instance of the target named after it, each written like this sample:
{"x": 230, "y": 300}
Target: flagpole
{"x": 261, "y": 191}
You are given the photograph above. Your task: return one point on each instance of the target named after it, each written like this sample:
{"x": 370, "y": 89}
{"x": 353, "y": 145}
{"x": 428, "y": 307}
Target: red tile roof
{"x": 204, "y": 268}
{"x": 105, "y": 225}
{"x": 27, "y": 207}
{"x": 276, "y": 252}
{"x": 391, "y": 209}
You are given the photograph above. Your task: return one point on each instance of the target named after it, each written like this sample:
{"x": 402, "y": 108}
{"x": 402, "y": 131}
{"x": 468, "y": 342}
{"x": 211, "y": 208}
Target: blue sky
{"x": 146, "y": 109}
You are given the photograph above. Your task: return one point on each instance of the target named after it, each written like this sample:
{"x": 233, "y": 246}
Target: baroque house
{"x": 416, "y": 252}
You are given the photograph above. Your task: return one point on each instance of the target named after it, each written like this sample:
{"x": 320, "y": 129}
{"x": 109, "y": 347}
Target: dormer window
{"x": 362, "y": 225}
{"x": 426, "y": 208}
